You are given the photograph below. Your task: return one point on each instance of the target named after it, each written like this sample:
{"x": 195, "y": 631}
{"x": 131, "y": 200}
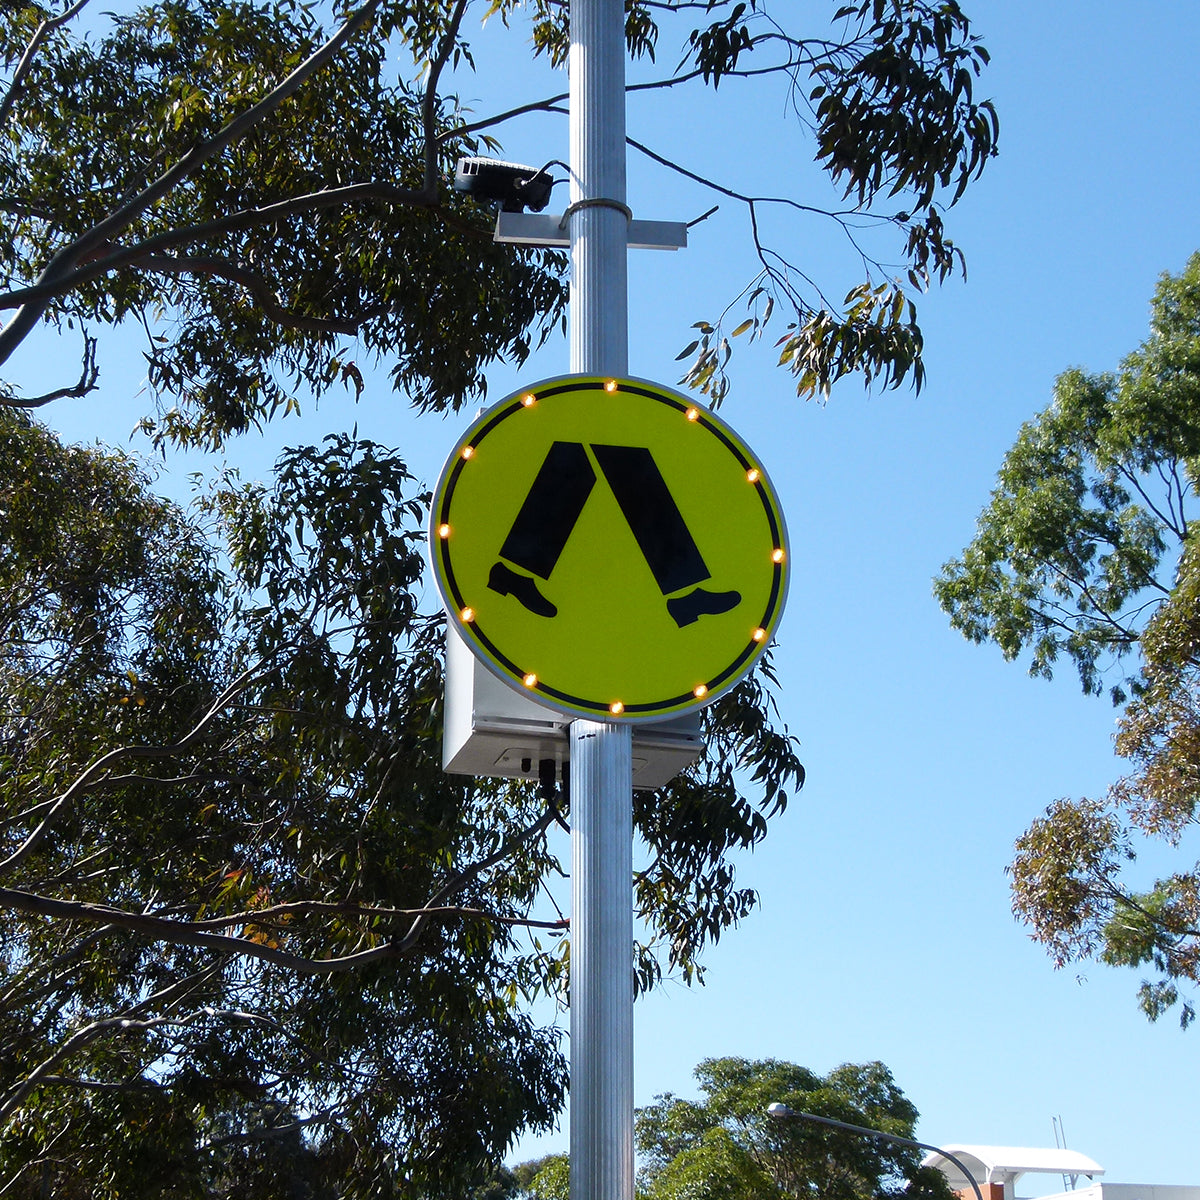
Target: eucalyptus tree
{"x": 246, "y": 918}
{"x": 265, "y": 190}
{"x": 725, "y": 1145}
{"x": 1086, "y": 553}
{"x": 240, "y": 900}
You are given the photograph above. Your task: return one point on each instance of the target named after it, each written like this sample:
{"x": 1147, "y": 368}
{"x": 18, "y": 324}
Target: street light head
{"x": 516, "y": 187}
{"x": 778, "y": 1110}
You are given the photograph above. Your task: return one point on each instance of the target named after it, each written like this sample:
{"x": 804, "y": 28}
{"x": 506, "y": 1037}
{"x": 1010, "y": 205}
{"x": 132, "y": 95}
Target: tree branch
{"x": 23, "y": 67}
{"x": 255, "y": 284}
{"x": 549, "y": 104}
{"x": 196, "y": 933}
{"x": 113, "y": 257}
{"x": 1132, "y": 478}
{"x": 464, "y": 877}
{"x": 106, "y": 761}
{"x": 47, "y": 987}
{"x": 112, "y": 226}
{"x": 87, "y": 381}
{"x": 304, "y": 908}
{"x": 839, "y": 215}
{"x": 41, "y": 1160}
{"x": 63, "y": 273}
{"x": 257, "y": 1135}
{"x": 129, "y": 1020}
{"x": 429, "y": 105}
{"x": 97, "y": 1085}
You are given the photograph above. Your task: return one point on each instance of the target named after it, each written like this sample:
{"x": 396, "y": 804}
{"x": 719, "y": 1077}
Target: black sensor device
{"x": 516, "y": 187}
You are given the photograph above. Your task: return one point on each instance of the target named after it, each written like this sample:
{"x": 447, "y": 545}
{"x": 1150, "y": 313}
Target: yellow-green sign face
{"x": 609, "y": 546}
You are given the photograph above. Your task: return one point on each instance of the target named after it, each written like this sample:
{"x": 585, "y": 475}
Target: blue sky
{"x": 884, "y": 930}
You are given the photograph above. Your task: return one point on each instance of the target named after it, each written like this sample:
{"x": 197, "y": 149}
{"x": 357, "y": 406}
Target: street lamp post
{"x": 782, "y": 1112}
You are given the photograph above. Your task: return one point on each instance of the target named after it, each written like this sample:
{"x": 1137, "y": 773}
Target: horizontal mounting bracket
{"x": 545, "y": 229}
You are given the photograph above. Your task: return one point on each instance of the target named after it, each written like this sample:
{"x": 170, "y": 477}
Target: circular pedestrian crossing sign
{"x": 609, "y": 547}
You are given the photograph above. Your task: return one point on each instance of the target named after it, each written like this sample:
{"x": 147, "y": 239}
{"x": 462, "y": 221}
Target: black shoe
{"x": 685, "y": 609}
{"x": 508, "y": 583}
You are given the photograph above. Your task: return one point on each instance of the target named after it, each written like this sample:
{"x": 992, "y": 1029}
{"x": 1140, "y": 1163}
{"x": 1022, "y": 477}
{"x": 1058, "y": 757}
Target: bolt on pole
{"x": 601, "y": 752}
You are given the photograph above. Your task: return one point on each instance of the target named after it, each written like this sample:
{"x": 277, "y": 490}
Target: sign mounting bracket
{"x": 546, "y": 229}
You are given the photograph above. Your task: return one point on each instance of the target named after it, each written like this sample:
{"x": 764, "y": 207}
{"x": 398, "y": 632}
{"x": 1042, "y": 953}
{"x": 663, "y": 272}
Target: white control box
{"x": 493, "y": 730}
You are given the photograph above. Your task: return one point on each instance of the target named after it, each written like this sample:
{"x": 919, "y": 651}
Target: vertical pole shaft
{"x": 601, "y": 752}
{"x": 599, "y": 234}
{"x": 601, "y": 962}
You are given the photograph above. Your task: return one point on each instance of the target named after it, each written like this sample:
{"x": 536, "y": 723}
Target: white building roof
{"x": 1004, "y": 1164}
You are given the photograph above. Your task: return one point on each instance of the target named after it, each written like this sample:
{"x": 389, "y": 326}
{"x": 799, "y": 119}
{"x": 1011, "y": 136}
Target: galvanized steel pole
{"x": 601, "y": 752}
{"x": 598, "y": 217}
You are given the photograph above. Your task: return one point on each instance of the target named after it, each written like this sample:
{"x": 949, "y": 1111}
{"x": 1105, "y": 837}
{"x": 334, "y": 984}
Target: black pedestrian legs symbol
{"x": 553, "y": 506}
